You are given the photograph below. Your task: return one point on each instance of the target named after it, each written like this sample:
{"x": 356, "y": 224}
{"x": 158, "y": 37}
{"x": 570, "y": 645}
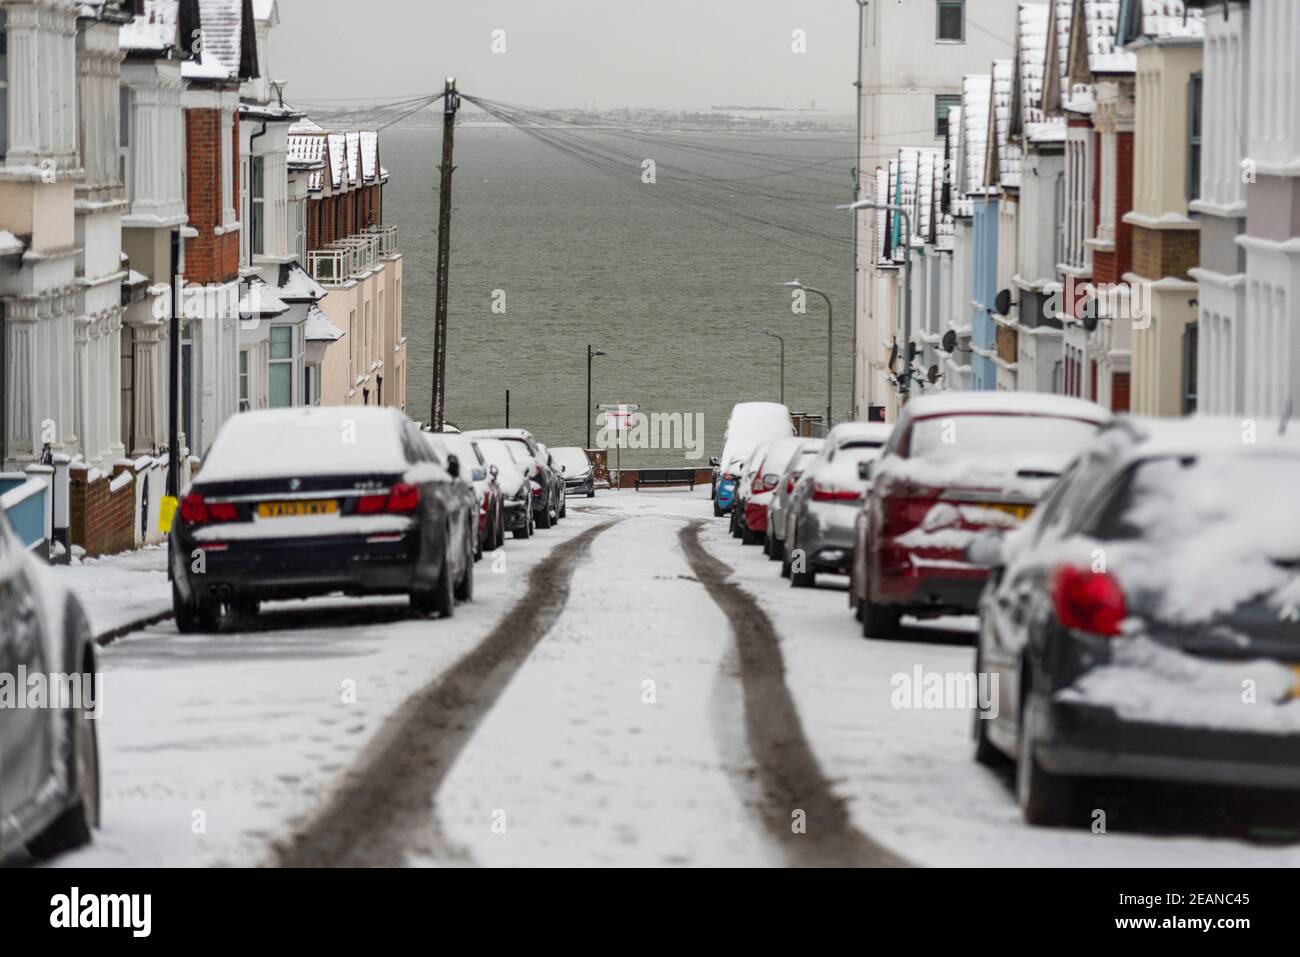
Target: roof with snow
{"x": 1004, "y": 155}
{"x": 1056, "y": 65}
{"x": 318, "y": 327}
{"x": 155, "y": 28}
{"x": 1158, "y": 20}
{"x": 1028, "y": 117}
{"x": 1100, "y": 26}
{"x": 294, "y": 284}
{"x": 228, "y": 50}
{"x": 976, "y": 93}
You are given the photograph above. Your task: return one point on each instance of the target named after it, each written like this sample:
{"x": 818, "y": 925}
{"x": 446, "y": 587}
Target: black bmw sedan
{"x": 294, "y": 503}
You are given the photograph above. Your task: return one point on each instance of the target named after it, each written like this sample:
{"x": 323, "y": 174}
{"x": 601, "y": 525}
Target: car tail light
{"x": 487, "y": 503}
{"x": 789, "y": 485}
{"x": 197, "y": 511}
{"x": 906, "y": 508}
{"x": 537, "y": 491}
{"x": 1087, "y": 600}
{"x": 829, "y": 493}
{"x": 403, "y": 498}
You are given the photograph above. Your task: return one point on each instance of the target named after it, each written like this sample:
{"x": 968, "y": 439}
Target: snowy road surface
{"x": 633, "y": 687}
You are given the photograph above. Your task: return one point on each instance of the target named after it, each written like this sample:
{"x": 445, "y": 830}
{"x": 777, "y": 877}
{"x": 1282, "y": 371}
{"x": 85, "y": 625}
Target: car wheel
{"x": 748, "y": 536}
{"x": 803, "y": 579}
{"x": 1045, "y": 799}
{"x": 879, "y": 621}
{"x": 490, "y": 540}
{"x": 438, "y": 599}
{"x": 185, "y": 614}
{"x": 465, "y": 590}
{"x": 74, "y": 827}
{"x": 985, "y": 751}
{"x": 564, "y": 505}
{"x": 591, "y": 493}
{"x": 544, "y": 521}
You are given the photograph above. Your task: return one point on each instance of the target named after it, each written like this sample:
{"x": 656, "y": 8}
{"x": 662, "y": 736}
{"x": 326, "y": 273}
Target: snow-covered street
{"x": 606, "y": 699}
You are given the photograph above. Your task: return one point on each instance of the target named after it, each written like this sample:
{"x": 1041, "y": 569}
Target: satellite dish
{"x": 950, "y": 341}
{"x": 893, "y": 356}
{"x": 1003, "y": 302}
{"x": 933, "y": 374}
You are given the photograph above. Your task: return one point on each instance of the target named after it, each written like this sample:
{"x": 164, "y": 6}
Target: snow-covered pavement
{"x": 597, "y": 707}
{"x": 120, "y": 590}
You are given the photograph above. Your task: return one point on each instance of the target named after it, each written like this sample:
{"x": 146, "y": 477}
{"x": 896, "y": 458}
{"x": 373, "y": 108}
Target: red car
{"x": 956, "y": 465}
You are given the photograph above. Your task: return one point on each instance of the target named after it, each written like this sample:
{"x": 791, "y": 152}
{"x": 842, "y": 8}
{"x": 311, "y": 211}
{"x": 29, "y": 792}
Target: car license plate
{"x": 322, "y": 506}
{"x": 1020, "y": 512}
{"x": 1295, "y": 687}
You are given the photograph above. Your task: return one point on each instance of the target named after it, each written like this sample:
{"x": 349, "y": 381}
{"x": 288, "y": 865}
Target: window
{"x": 944, "y": 102}
{"x": 308, "y": 385}
{"x": 299, "y": 232}
{"x": 1194, "y": 91}
{"x": 256, "y": 204}
{"x": 124, "y": 140}
{"x": 952, "y": 21}
{"x": 1190, "y": 335}
{"x": 244, "y": 404}
{"x": 280, "y": 368}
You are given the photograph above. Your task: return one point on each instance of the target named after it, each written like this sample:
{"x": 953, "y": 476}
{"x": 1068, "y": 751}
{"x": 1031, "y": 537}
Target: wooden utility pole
{"x": 450, "y": 104}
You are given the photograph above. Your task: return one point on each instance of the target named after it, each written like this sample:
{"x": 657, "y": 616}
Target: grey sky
{"x": 677, "y": 54}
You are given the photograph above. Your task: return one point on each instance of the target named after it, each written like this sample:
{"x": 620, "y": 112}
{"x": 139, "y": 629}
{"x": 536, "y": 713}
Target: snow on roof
{"x": 369, "y": 147}
{"x": 1100, "y": 26}
{"x": 296, "y": 285}
{"x": 1159, "y": 20}
{"x": 221, "y": 25}
{"x": 882, "y": 217}
{"x": 306, "y": 150}
{"x": 1005, "y": 403}
{"x": 336, "y": 143}
{"x": 1031, "y": 66}
{"x": 355, "y": 176}
{"x": 154, "y": 28}
{"x": 859, "y": 432}
{"x": 318, "y": 327}
{"x": 263, "y": 9}
{"x": 292, "y": 443}
{"x": 260, "y": 300}
{"x": 1002, "y": 149}
{"x": 9, "y": 243}
{"x": 975, "y": 97}
{"x": 1056, "y": 85}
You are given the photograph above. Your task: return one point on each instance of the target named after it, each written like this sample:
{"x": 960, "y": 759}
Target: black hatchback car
{"x": 1145, "y": 623}
{"x": 291, "y": 503}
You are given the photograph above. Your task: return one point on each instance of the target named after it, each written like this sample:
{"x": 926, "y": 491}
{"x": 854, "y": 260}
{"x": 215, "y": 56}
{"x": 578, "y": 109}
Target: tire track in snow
{"x": 383, "y": 813}
{"x": 790, "y": 777}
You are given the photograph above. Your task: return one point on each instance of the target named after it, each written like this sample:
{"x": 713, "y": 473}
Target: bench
{"x": 664, "y": 477}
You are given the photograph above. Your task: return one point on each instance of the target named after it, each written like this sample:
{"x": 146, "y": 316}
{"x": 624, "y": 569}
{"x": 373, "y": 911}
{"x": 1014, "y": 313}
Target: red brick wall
{"x": 1110, "y": 267}
{"x": 208, "y": 257}
{"x": 100, "y": 520}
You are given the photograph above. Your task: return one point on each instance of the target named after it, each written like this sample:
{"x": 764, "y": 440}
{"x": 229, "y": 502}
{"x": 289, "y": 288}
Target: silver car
{"x": 778, "y": 507}
{"x": 825, "y": 503}
{"x": 49, "y": 753}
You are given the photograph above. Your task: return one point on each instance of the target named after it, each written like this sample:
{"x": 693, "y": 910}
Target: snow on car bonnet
{"x": 286, "y": 443}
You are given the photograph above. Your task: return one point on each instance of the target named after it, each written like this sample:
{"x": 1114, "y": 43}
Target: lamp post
{"x": 830, "y": 343}
{"x": 905, "y": 378}
{"x": 591, "y": 354}
{"x": 773, "y": 335}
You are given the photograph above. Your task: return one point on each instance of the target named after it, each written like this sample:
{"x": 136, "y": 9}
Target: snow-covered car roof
{"x": 751, "y": 423}
{"x": 313, "y": 440}
{"x": 516, "y": 434}
{"x": 1201, "y": 435}
{"x": 859, "y": 432}
{"x": 569, "y": 456}
{"x": 1005, "y": 403}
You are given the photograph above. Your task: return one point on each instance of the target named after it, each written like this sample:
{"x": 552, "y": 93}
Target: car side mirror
{"x": 986, "y": 550}
{"x": 493, "y": 471}
{"x": 715, "y": 461}
{"x": 563, "y": 469}
{"x": 865, "y": 470}
{"x": 453, "y": 466}
{"x": 479, "y": 474}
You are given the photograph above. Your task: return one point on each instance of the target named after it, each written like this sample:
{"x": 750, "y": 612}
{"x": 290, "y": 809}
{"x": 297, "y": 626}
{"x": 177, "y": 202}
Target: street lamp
{"x": 830, "y": 342}
{"x": 773, "y": 335}
{"x": 904, "y": 379}
{"x": 591, "y": 354}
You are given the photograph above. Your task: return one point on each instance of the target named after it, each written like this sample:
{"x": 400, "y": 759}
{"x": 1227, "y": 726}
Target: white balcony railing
{"x": 331, "y": 265}
{"x": 387, "y": 236}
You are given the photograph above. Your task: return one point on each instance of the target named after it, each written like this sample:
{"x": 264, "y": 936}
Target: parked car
{"x": 1158, "y": 580}
{"x": 291, "y": 503}
{"x": 49, "y": 756}
{"x": 825, "y": 500}
{"x": 512, "y": 465}
{"x": 748, "y": 424}
{"x": 579, "y": 476}
{"x": 956, "y": 464}
{"x": 555, "y": 483}
{"x": 482, "y": 483}
{"x": 770, "y": 460}
{"x": 744, "y": 483}
{"x": 549, "y": 494}
{"x": 778, "y": 507}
